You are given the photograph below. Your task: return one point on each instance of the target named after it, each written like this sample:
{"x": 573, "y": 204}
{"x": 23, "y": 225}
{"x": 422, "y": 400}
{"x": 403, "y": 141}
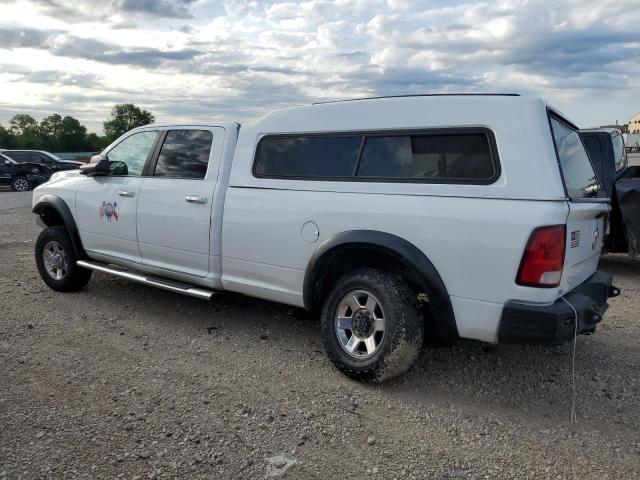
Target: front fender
{"x": 53, "y": 210}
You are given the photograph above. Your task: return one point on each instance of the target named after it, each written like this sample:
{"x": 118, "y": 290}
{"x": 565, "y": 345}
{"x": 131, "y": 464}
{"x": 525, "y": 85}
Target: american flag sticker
{"x": 575, "y": 239}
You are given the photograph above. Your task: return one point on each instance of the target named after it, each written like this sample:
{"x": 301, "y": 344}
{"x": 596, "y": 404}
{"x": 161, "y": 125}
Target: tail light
{"x": 543, "y": 259}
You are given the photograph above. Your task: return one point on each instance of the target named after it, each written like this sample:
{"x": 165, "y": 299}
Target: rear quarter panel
{"x": 473, "y": 234}
{"x": 475, "y": 244}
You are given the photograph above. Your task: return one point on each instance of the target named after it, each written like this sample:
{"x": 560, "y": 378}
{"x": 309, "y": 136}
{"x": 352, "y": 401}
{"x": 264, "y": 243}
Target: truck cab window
{"x": 129, "y": 156}
{"x": 184, "y": 154}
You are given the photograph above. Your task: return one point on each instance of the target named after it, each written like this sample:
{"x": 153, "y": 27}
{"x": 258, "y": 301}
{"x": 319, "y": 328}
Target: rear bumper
{"x": 523, "y": 323}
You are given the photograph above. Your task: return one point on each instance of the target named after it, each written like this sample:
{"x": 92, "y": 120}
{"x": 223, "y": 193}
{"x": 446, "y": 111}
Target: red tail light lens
{"x": 543, "y": 259}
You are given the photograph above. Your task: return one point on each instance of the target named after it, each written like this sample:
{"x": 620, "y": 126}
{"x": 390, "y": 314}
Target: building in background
{"x": 634, "y": 124}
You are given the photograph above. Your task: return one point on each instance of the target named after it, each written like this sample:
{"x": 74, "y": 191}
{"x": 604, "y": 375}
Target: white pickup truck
{"x": 478, "y": 215}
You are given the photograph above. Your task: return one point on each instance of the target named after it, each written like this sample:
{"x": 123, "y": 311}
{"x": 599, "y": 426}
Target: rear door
{"x": 176, "y": 200}
{"x": 106, "y": 205}
{"x": 588, "y": 205}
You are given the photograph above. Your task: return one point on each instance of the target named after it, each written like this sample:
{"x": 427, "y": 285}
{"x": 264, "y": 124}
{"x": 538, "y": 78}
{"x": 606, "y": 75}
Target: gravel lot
{"x": 126, "y": 381}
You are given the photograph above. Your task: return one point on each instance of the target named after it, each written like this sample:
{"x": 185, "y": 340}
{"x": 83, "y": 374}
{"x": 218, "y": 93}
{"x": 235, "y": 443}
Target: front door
{"x": 174, "y": 209}
{"x": 106, "y": 205}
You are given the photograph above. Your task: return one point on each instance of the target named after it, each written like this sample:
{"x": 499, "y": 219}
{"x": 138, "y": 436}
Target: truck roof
{"x": 423, "y": 95}
{"x": 426, "y": 109}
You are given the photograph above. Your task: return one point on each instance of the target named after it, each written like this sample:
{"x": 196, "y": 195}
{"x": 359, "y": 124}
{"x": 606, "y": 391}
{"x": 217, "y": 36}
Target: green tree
{"x": 95, "y": 143}
{"x": 26, "y": 130}
{"x": 73, "y": 134}
{"x": 7, "y": 139}
{"x": 51, "y": 131}
{"x": 124, "y": 117}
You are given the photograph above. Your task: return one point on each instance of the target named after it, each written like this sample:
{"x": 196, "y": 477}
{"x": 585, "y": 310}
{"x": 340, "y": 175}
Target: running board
{"x": 158, "y": 282}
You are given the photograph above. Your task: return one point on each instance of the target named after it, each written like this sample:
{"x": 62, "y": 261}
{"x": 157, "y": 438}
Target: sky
{"x": 235, "y": 60}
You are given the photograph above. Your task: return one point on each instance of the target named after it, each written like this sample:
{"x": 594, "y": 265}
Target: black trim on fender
{"x": 404, "y": 251}
{"x": 61, "y": 207}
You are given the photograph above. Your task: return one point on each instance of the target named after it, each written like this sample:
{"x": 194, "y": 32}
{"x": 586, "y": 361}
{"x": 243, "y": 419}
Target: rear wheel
{"x": 21, "y": 184}
{"x": 56, "y": 261}
{"x": 372, "y": 325}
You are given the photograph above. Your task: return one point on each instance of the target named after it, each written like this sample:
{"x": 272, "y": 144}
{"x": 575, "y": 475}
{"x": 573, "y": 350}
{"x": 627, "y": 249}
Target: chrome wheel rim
{"x": 21, "y": 185}
{"x": 359, "y": 324}
{"x": 55, "y": 260}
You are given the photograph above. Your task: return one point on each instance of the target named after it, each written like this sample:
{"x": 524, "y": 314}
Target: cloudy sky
{"x": 236, "y": 59}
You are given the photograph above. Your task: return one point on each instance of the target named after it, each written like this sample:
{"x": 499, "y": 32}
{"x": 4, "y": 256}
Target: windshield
{"x": 579, "y": 177}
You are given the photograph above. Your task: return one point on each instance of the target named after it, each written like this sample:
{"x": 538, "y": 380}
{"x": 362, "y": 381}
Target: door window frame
{"x": 152, "y": 151}
{"x": 217, "y": 144}
{"x": 150, "y": 167}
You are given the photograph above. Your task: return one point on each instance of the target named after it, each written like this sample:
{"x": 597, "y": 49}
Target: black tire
{"x": 403, "y": 326}
{"x": 74, "y": 277}
{"x": 21, "y": 184}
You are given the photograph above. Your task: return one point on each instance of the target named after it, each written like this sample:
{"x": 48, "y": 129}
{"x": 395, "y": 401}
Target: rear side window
{"x": 20, "y": 157}
{"x": 184, "y": 154}
{"x": 307, "y": 157}
{"x": 429, "y": 157}
{"x": 619, "y": 155}
{"x": 579, "y": 178}
{"x": 445, "y": 157}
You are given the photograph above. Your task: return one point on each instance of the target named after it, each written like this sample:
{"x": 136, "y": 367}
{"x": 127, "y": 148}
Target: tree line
{"x": 55, "y": 133}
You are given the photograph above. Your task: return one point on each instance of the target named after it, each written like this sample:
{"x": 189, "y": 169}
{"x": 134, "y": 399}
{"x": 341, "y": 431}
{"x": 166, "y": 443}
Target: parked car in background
{"x": 22, "y": 177}
{"x": 382, "y": 215}
{"x": 41, "y": 157}
{"x": 621, "y": 182}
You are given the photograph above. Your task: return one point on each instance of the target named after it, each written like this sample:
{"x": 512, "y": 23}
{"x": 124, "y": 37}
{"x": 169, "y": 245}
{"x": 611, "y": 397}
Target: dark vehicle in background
{"x": 621, "y": 182}
{"x": 41, "y": 157}
{"x": 22, "y": 177}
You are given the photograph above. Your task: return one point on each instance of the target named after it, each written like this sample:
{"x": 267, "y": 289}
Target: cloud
{"x": 243, "y": 57}
{"x": 74, "y": 47}
{"x": 22, "y": 38}
{"x": 158, "y": 8}
{"x": 116, "y": 12}
{"x": 65, "y": 45}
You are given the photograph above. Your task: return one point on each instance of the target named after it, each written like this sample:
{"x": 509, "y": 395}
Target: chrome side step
{"x": 165, "y": 284}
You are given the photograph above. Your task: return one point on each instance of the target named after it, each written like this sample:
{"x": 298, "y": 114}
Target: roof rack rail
{"x": 424, "y": 95}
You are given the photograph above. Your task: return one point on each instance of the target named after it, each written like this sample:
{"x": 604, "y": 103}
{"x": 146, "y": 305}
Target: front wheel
{"x": 372, "y": 325}
{"x": 21, "y": 184}
{"x": 56, "y": 261}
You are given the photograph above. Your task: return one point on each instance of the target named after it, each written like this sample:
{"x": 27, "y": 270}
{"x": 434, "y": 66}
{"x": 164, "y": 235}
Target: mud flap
{"x": 627, "y": 189}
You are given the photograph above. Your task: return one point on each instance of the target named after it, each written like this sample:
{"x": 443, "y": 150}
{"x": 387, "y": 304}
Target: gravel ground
{"x": 125, "y": 381}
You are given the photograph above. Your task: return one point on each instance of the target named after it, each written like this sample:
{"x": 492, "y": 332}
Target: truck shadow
{"x": 532, "y": 381}
{"x": 620, "y": 264}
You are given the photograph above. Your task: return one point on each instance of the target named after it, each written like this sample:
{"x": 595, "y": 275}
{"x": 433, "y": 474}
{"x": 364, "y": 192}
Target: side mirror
{"x": 44, "y": 159}
{"x": 99, "y": 165}
{"x": 7, "y": 162}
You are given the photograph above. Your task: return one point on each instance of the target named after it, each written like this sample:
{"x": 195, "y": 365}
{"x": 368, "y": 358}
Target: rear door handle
{"x": 124, "y": 193}
{"x": 195, "y": 199}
